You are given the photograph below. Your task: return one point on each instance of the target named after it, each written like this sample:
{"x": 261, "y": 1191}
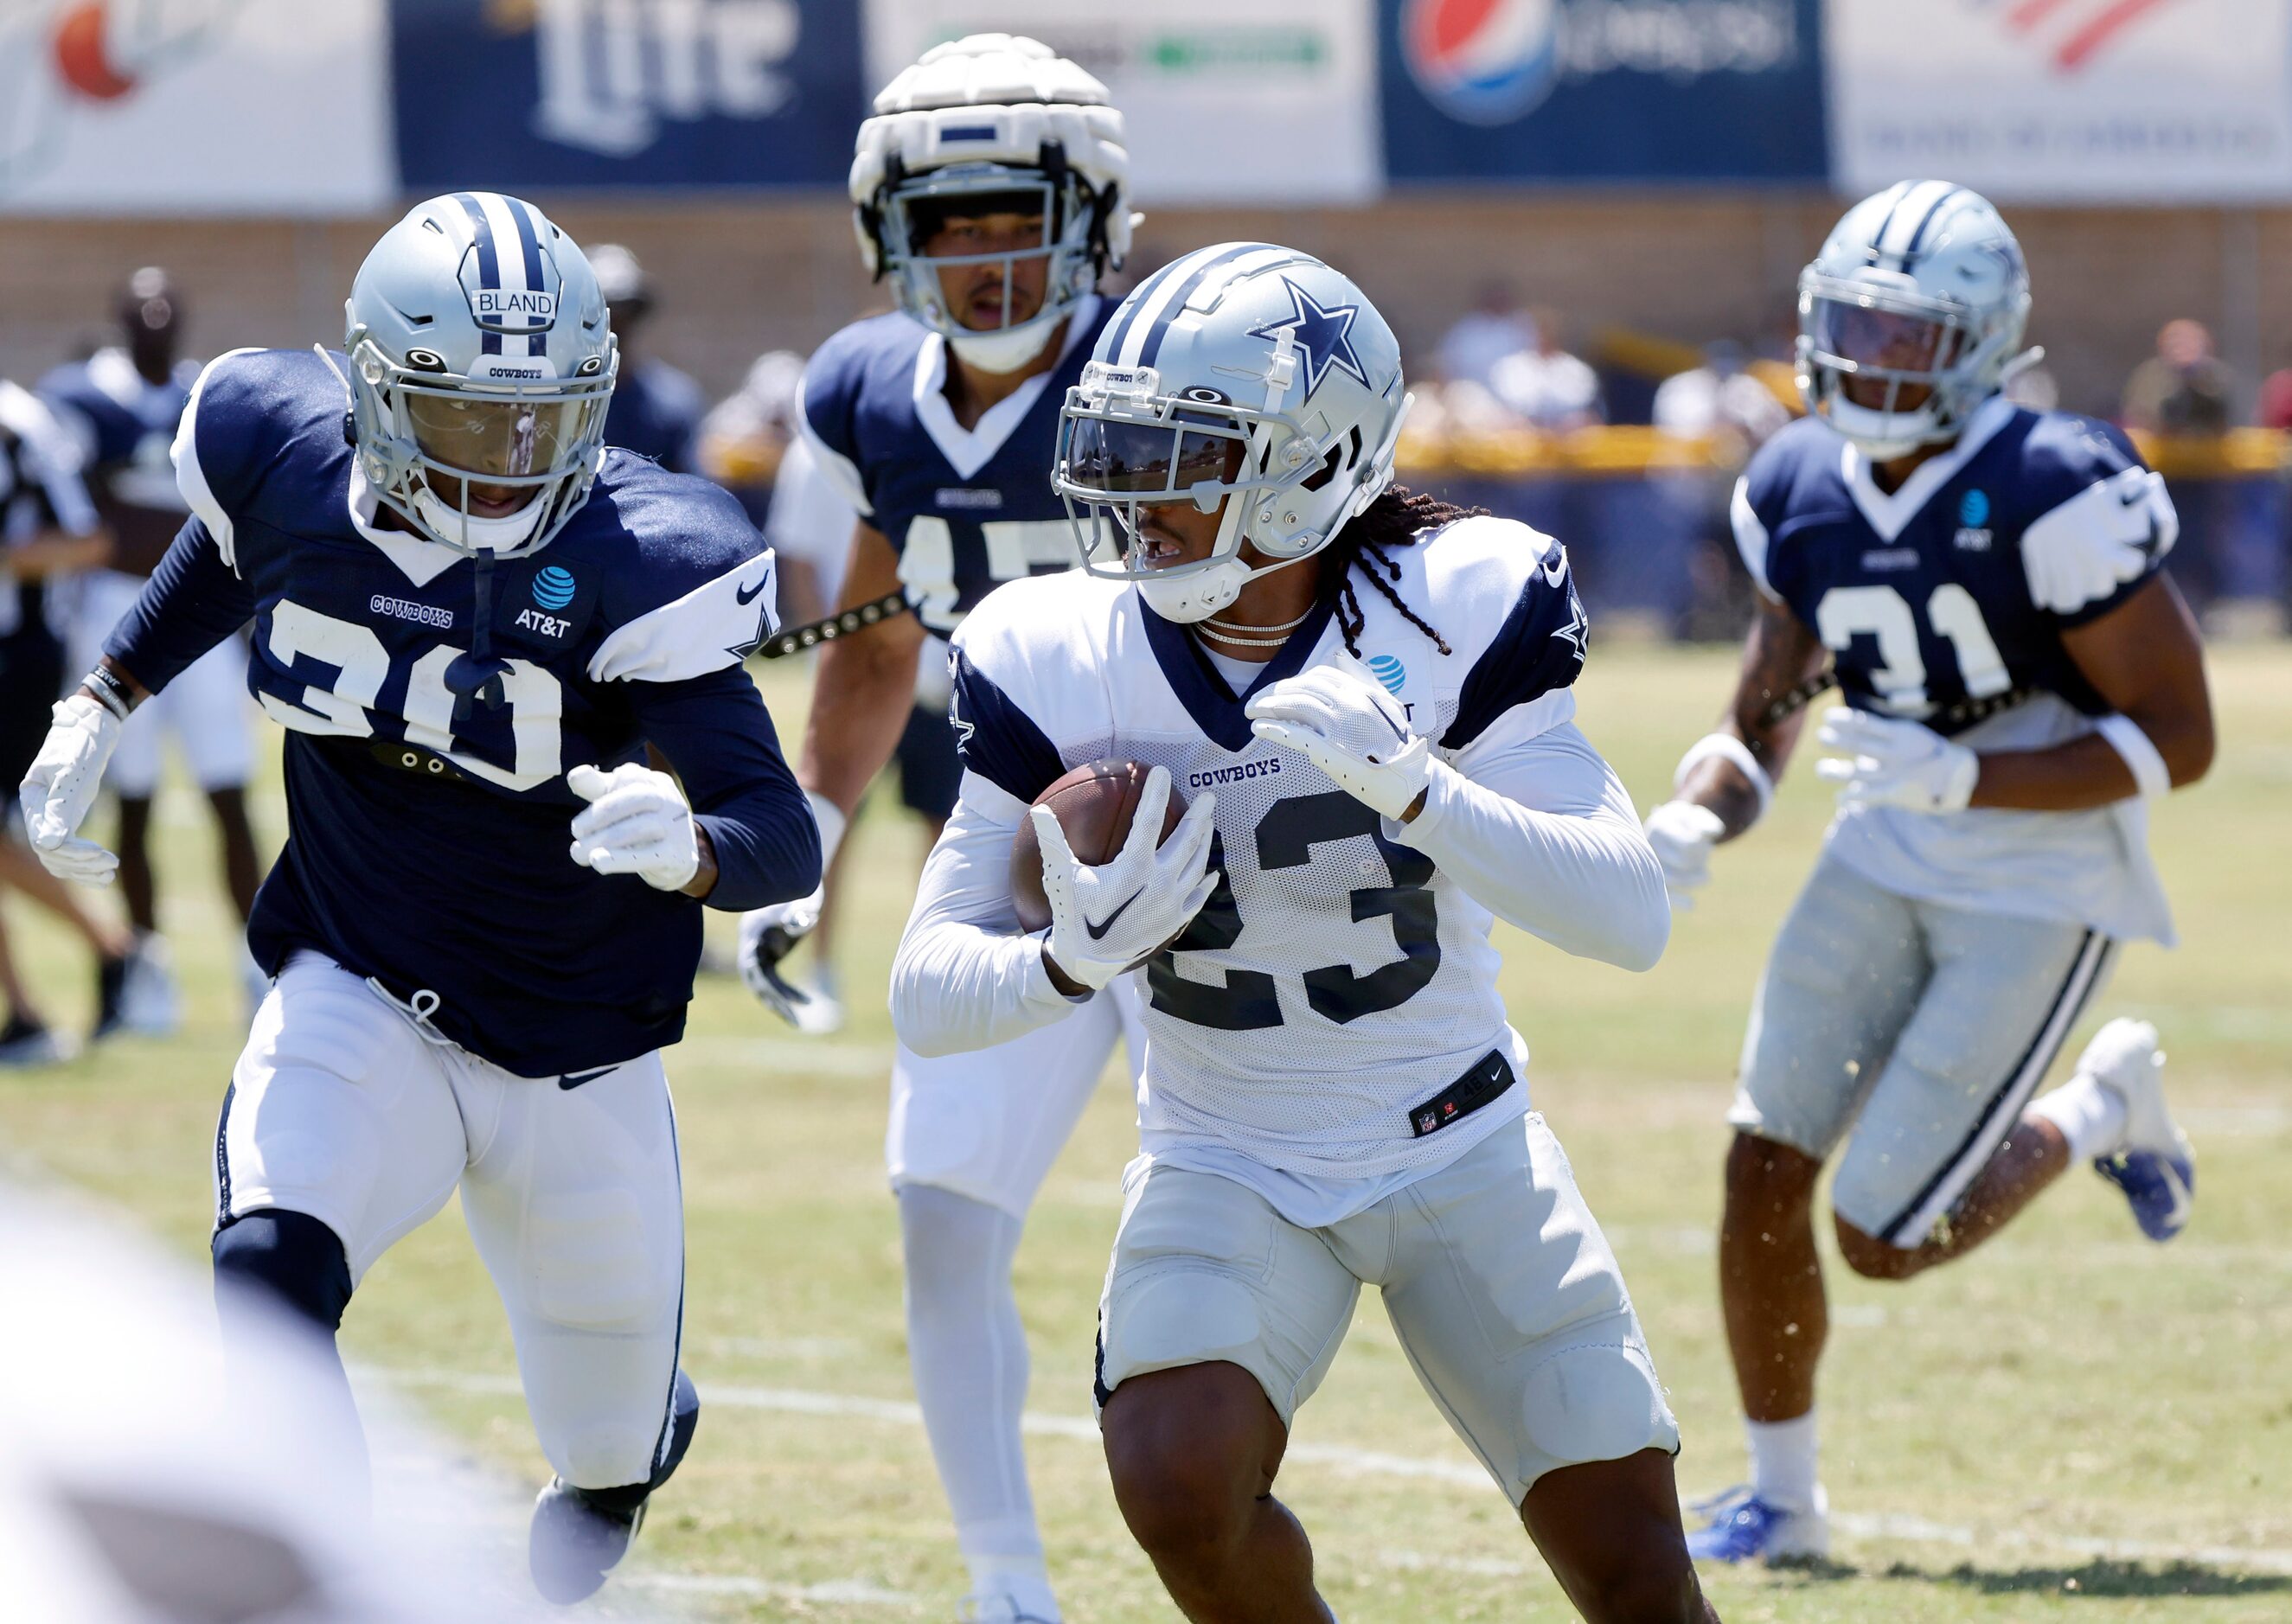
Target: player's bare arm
{"x": 1780, "y": 653}
{"x": 864, "y": 685}
{"x": 2145, "y": 658}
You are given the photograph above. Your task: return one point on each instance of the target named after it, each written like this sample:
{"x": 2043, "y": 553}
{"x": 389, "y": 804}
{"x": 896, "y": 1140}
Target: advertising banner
{"x": 1603, "y": 90}
{"x": 194, "y": 107}
{"x": 630, "y": 94}
{"x": 2065, "y": 100}
{"x": 1262, "y": 100}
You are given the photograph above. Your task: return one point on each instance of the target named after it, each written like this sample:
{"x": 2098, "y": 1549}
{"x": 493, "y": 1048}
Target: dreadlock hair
{"x": 1394, "y": 520}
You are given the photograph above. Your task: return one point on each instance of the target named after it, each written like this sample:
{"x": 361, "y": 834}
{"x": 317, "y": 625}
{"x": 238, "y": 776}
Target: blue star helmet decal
{"x": 1326, "y": 336}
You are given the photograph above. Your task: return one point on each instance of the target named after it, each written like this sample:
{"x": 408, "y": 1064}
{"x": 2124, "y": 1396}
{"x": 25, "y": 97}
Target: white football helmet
{"x": 987, "y": 119}
{"x": 1923, "y": 290}
{"x": 482, "y": 354}
{"x": 1242, "y": 372}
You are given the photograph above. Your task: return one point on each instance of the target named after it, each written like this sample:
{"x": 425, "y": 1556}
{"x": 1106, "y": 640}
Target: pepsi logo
{"x": 1481, "y": 61}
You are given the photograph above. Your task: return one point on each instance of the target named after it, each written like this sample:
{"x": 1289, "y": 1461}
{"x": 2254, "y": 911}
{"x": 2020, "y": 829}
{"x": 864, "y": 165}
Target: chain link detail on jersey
{"x": 1286, "y": 835}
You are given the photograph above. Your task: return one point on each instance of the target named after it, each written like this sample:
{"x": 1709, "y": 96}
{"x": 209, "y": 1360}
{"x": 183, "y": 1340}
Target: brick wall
{"x": 737, "y": 279}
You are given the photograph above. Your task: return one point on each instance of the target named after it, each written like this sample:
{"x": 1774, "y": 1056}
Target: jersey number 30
{"x": 1286, "y": 838}
{"x": 344, "y": 705}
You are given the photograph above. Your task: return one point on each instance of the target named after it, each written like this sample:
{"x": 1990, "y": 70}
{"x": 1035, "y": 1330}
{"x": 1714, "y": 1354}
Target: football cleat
{"x": 110, "y": 996}
{"x": 997, "y": 1607}
{"x": 576, "y": 1541}
{"x": 1745, "y": 1528}
{"x": 2154, "y": 1166}
{"x": 25, "y": 1045}
{"x": 149, "y": 1003}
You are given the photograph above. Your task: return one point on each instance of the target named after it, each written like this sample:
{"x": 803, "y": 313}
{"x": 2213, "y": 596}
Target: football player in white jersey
{"x": 990, "y": 189}
{"x": 1364, "y": 696}
{"x": 2022, "y": 679}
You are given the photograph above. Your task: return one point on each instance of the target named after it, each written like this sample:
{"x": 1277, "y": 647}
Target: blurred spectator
{"x": 1721, "y": 398}
{"x": 1487, "y": 334}
{"x": 746, "y": 434}
{"x": 1546, "y": 387}
{"x": 2276, "y": 399}
{"x": 656, "y": 410}
{"x": 2185, "y": 388}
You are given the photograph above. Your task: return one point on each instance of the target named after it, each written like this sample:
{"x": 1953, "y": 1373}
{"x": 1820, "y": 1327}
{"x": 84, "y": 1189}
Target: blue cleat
{"x": 1745, "y": 1528}
{"x": 2154, "y": 1166}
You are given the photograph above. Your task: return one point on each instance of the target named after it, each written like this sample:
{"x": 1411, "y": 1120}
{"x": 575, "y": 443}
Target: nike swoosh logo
{"x": 1098, "y": 932}
{"x": 574, "y": 1079}
{"x": 750, "y": 597}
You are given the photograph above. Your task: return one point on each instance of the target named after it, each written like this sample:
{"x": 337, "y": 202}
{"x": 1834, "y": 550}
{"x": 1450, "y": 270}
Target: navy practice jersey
{"x": 428, "y": 842}
{"x": 964, "y": 510}
{"x": 126, "y": 424}
{"x": 1946, "y": 602}
{"x": 1957, "y": 588}
{"x": 40, "y": 490}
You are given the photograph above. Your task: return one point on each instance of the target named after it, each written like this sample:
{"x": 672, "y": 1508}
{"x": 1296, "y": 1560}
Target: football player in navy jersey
{"x": 1365, "y": 696}
{"x": 2021, "y": 680}
{"x": 471, "y": 618}
{"x": 990, "y": 188}
{"x": 124, "y": 403}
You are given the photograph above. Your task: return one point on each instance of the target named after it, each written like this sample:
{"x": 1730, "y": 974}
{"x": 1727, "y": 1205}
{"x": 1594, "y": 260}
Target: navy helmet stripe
{"x": 1902, "y": 190}
{"x": 529, "y": 241}
{"x": 1139, "y": 298}
{"x": 488, "y": 260}
{"x": 1152, "y": 346}
{"x": 1919, "y": 236}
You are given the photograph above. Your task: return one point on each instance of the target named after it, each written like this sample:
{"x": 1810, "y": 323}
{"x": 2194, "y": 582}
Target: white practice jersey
{"x": 1332, "y": 1013}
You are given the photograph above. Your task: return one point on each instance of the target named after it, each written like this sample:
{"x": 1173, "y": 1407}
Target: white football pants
{"x": 342, "y": 1109}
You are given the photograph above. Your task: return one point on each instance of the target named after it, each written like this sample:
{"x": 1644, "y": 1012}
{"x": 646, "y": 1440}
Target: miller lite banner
{"x": 1603, "y": 90}
{"x": 519, "y": 95}
{"x": 2065, "y": 100}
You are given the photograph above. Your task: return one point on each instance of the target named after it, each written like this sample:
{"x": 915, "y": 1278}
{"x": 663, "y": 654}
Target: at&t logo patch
{"x": 554, "y": 587}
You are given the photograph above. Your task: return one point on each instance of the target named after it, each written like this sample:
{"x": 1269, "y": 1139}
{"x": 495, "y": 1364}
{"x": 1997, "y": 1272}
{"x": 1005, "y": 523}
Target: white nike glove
{"x": 1340, "y": 717}
{"x": 1107, "y": 919}
{"x": 1682, "y": 834}
{"x": 637, "y": 822}
{"x": 770, "y": 935}
{"x": 61, "y": 785}
{"x": 1889, "y": 762}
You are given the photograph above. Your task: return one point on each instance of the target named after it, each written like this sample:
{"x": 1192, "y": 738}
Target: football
{"x": 1094, "y": 804}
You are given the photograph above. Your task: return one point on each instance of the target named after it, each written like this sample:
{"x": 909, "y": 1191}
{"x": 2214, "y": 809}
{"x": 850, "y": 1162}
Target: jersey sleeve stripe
{"x": 997, "y": 740}
{"x": 1539, "y": 649}
{"x": 1751, "y": 539}
{"x": 191, "y": 478}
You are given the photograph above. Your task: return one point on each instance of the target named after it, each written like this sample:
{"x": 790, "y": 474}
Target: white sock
{"x": 968, "y": 1354}
{"x": 2090, "y": 1114}
{"x": 1783, "y": 1462}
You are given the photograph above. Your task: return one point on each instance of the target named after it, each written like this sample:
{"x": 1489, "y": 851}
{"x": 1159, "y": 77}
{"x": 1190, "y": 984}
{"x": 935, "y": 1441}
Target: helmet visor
{"x": 1151, "y": 461}
{"x": 1887, "y": 350}
{"x": 513, "y": 438}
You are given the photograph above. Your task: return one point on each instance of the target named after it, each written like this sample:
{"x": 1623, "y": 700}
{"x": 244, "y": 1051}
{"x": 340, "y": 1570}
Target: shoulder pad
{"x": 687, "y": 584}
{"x": 1525, "y": 633}
{"x": 247, "y": 409}
{"x": 1763, "y": 497}
{"x": 876, "y": 353}
{"x": 1015, "y": 661}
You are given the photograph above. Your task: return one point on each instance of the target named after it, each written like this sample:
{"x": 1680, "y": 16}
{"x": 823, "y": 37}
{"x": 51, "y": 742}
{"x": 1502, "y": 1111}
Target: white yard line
{"x": 1898, "y": 1527}
{"x": 834, "y": 1592}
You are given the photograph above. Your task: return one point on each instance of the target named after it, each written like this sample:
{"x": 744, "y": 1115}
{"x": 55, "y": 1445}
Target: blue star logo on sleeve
{"x": 1325, "y": 335}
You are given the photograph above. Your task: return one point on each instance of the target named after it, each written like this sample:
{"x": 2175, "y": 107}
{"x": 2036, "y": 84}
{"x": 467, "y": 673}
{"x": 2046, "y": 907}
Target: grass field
{"x": 2072, "y": 1423}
